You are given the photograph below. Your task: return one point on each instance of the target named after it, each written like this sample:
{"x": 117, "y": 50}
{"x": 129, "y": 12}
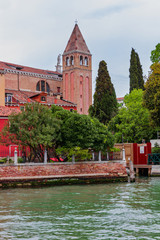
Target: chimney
{"x": 55, "y": 100}
{"x": 2, "y": 87}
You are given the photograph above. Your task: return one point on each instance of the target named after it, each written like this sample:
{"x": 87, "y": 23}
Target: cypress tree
{"x": 140, "y": 73}
{"x": 105, "y": 103}
{"x": 136, "y": 73}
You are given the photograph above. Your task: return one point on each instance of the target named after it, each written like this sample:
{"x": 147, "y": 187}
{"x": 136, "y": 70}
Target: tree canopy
{"x": 155, "y": 54}
{"x": 152, "y": 94}
{"x": 82, "y": 131}
{"x": 105, "y": 104}
{"x": 136, "y": 73}
{"x": 132, "y": 122}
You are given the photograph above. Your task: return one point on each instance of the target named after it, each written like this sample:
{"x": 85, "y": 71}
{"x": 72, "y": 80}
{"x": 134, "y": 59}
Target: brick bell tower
{"x": 77, "y": 72}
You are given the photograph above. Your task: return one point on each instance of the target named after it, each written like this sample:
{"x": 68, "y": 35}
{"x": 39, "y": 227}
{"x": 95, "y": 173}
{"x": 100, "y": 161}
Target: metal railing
{"x": 154, "y": 159}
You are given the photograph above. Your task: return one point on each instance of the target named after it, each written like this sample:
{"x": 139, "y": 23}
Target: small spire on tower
{"x": 76, "y": 21}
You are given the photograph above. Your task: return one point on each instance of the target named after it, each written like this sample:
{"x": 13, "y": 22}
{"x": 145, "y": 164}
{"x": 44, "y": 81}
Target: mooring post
{"x": 7, "y": 159}
{"x": 107, "y": 156}
{"x": 123, "y": 154}
{"x": 73, "y": 158}
{"x": 92, "y": 155}
{"x": 132, "y": 174}
{"x": 15, "y": 156}
{"x": 99, "y": 156}
{"x": 45, "y": 156}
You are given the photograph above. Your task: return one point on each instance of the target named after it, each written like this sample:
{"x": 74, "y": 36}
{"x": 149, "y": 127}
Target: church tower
{"x": 77, "y": 72}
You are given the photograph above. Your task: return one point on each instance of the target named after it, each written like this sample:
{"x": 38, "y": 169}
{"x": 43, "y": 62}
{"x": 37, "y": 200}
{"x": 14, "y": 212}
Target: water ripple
{"x": 87, "y": 212}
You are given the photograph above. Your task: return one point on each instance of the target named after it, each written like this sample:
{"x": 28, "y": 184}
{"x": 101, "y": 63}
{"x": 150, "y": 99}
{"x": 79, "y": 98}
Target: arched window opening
{"x": 81, "y": 60}
{"x": 38, "y": 86}
{"x": 86, "y": 61}
{"x": 43, "y": 86}
{"x": 72, "y": 60}
{"x": 67, "y": 61}
{"x": 47, "y": 88}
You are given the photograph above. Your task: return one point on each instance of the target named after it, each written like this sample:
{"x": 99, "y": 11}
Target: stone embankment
{"x": 26, "y": 175}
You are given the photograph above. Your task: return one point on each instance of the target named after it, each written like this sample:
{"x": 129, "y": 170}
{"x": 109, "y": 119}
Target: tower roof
{"x": 76, "y": 42}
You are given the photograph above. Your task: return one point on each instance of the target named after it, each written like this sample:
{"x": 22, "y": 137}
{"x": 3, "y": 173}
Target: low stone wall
{"x": 48, "y": 173}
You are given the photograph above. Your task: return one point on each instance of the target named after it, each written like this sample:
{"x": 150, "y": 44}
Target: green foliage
{"x": 152, "y": 94}
{"x": 155, "y": 54}
{"x": 40, "y": 127}
{"x": 136, "y": 73}
{"x": 105, "y": 103}
{"x": 20, "y": 160}
{"x": 83, "y": 131}
{"x": 4, "y": 160}
{"x": 103, "y": 139}
{"x": 156, "y": 148}
{"x": 115, "y": 149}
{"x": 139, "y": 73}
{"x": 67, "y": 153}
{"x": 132, "y": 122}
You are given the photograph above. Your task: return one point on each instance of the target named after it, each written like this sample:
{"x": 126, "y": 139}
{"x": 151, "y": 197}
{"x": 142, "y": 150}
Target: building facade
{"x": 70, "y": 88}
{"x": 77, "y": 72}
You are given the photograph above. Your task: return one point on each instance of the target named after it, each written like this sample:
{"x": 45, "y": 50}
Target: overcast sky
{"x": 34, "y": 32}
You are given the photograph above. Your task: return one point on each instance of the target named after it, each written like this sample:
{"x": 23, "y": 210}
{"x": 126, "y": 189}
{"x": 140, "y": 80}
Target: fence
{"x": 8, "y": 152}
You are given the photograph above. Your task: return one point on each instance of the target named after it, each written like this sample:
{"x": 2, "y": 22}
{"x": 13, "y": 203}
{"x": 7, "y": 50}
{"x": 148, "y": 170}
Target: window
{"x": 72, "y": 60}
{"x": 43, "y": 99}
{"x": 81, "y": 109}
{"x": 43, "y": 86}
{"x": 86, "y": 61}
{"x": 47, "y": 88}
{"x": 38, "y": 86}
{"x": 80, "y": 96}
{"x": 81, "y": 60}
{"x": 8, "y": 98}
{"x": 67, "y": 61}
{"x": 58, "y": 89}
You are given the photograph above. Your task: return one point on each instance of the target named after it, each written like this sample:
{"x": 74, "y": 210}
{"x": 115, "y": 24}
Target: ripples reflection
{"x": 91, "y": 212}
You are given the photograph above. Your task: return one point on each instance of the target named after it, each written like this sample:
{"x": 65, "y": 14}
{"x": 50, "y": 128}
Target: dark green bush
{"x": 156, "y": 148}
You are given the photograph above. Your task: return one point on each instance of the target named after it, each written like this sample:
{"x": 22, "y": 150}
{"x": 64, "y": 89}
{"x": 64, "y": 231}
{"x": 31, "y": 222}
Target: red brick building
{"x": 77, "y": 72}
{"x": 71, "y": 88}
{"x": 4, "y": 114}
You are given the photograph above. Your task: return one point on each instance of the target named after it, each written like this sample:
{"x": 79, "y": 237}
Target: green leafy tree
{"x": 136, "y": 73}
{"x": 103, "y": 139}
{"x": 155, "y": 54}
{"x": 152, "y": 94}
{"x": 36, "y": 128}
{"x": 82, "y": 131}
{"x": 132, "y": 122}
{"x": 105, "y": 103}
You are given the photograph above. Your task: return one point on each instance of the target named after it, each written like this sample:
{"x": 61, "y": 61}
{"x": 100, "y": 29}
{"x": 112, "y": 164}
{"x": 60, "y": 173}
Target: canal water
{"x": 94, "y": 212}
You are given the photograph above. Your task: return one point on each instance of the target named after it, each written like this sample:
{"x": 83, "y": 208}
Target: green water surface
{"x": 103, "y": 211}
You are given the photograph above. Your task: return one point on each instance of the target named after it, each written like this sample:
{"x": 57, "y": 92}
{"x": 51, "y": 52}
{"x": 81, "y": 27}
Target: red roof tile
{"x": 21, "y": 97}
{"x": 121, "y": 98}
{"x": 76, "y": 42}
{"x": 6, "y": 111}
{"x": 12, "y": 66}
